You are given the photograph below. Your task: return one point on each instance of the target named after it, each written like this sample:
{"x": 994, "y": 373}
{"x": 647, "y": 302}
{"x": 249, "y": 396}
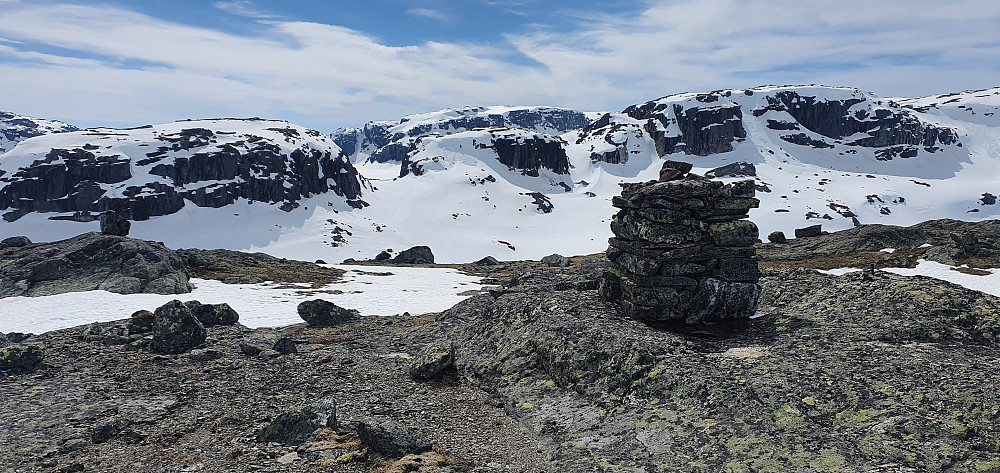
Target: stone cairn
{"x": 683, "y": 250}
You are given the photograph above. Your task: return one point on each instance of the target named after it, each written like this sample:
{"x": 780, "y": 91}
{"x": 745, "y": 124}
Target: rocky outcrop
{"x": 415, "y": 255}
{"x": 693, "y": 130}
{"x": 838, "y": 119}
{"x": 682, "y": 251}
{"x": 92, "y": 261}
{"x": 206, "y": 165}
{"x": 530, "y": 155}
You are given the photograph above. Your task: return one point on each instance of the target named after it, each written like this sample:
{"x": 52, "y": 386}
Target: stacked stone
{"x": 683, "y": 250}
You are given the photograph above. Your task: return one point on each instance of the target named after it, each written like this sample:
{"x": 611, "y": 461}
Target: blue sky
{"x": 331, "y": 63}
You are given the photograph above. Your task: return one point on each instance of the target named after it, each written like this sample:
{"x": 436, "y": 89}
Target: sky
{"x": 326, "y": 64}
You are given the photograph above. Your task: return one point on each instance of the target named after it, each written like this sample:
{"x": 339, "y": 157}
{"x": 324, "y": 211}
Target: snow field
{"x": 372, "y": 290}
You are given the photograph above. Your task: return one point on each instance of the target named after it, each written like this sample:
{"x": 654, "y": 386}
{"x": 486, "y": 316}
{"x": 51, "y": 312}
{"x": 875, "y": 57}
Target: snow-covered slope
{"x": 15, "y": 128}
{"x": 385, "y": 141}
{"x": 157, "y": 171}
{"x": 524, "y": 182}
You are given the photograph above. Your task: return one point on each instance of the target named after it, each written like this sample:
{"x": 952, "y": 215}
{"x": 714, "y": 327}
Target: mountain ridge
{"x": 522, "y": 182}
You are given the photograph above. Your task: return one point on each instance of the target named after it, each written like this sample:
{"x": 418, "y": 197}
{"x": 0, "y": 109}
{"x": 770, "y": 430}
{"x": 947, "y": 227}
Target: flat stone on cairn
{"x": 683, "y": 250}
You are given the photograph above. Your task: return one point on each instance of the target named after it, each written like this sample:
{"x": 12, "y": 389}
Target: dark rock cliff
{"x": 185, "y": 167}
{"x": 834, "y": 119}
{"x": 704, "y": 130}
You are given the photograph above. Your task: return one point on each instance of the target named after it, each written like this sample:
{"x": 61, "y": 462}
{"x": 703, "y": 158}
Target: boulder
{"x": 776, "y": 237}
{"x": 320, "y": 313}
{"x": 18, "y": 359}
{"x": 141, "y": 321}
{"x": 556, "y": 260}
{"x": 14, "y": 242}
{"x": 809, "y": 232}
{"x": 415, "y": 255}
{"x": 114, "y": 224}
{"x": 213, "y": 314}
{"x": 176, "y": 329}
{"x": 432, "y": 362}
{"x": 383, "y": 256}
{"x": 298, "y": 426}
{"x": 390, "y": 438}
{"x": 674, "y": 170}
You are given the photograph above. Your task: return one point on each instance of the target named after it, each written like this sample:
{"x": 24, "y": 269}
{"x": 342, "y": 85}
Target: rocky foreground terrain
{"x": 868, "y": 371}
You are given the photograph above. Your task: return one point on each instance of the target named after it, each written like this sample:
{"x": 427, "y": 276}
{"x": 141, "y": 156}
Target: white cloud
{"x": 122, "y": 67}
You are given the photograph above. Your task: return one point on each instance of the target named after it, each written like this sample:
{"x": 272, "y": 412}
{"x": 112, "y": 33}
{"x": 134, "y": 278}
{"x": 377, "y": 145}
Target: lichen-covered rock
{"x": 298, "y": 426}
{"x": 320, "y": 313}
{"x": 432, "y": 362}
{"x": 18, "y": 359}
{"x": 556, "y": 260}
{"x": 175, "y": 329}
{"x": 213, "y": 314}
{"x": 776, "y": 237}
{"x": 114, "y": 224}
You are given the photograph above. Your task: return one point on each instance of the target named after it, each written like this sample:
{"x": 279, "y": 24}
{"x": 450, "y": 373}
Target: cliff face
{"x": 816, "y": 117}
{"x": 209, "y": 164}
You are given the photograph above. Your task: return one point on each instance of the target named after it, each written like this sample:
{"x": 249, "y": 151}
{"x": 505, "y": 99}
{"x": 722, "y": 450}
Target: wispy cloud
{"x": 243, "y": 8}
{"x": 429, "y": 13}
